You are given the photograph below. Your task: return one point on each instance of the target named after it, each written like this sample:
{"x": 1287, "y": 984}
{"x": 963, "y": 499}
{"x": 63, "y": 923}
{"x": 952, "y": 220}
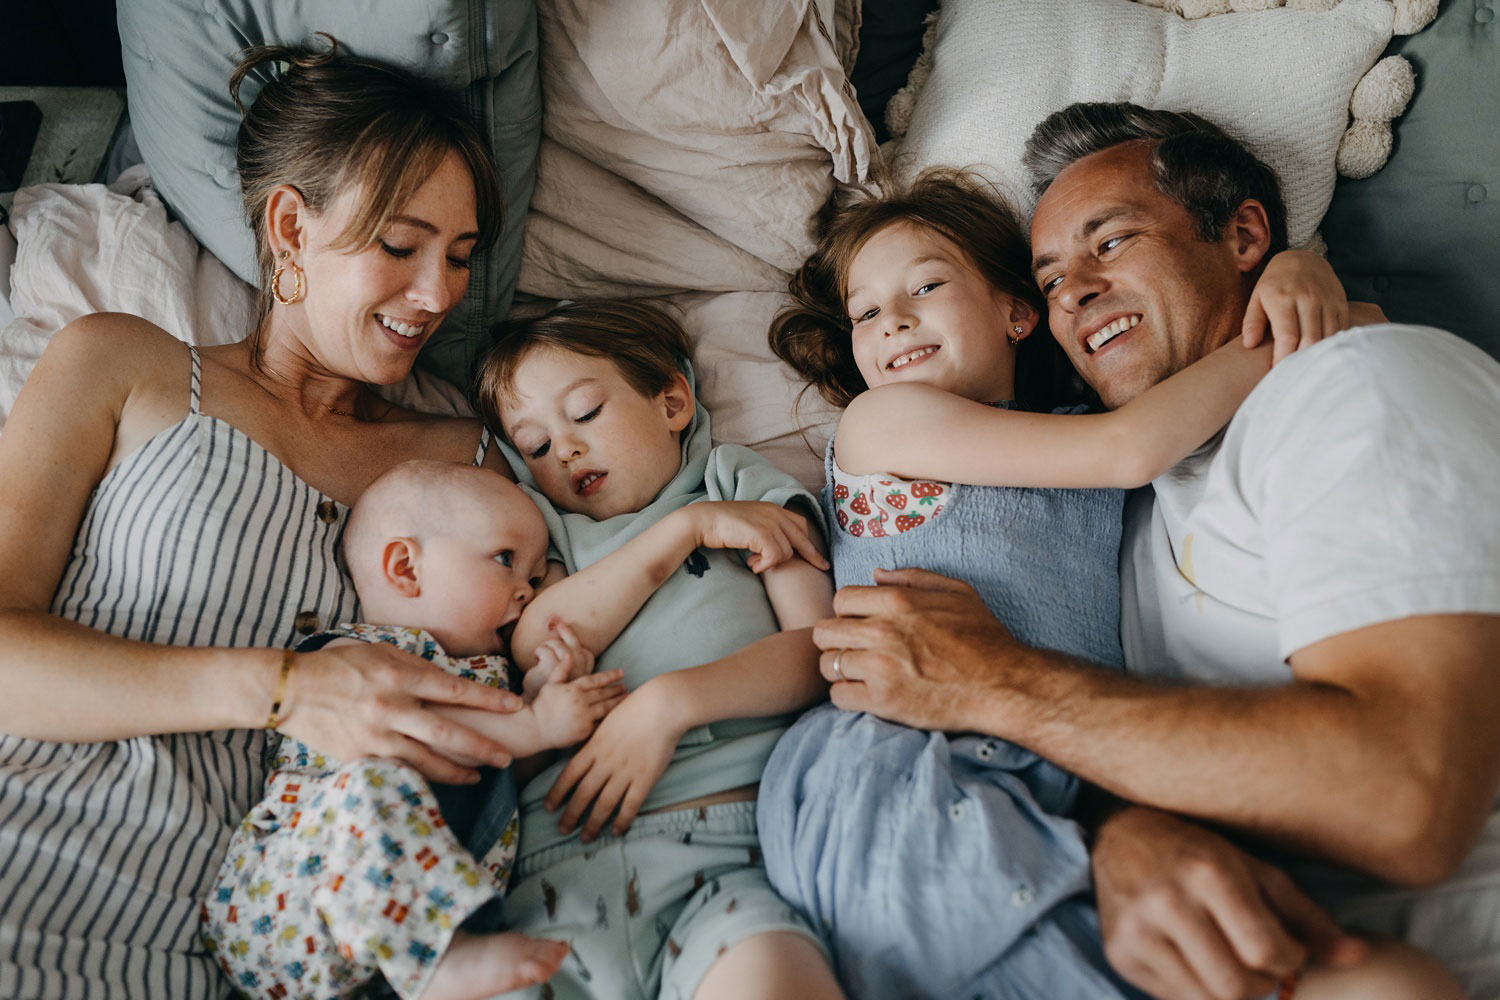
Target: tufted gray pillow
{"x": 178, "y": 55}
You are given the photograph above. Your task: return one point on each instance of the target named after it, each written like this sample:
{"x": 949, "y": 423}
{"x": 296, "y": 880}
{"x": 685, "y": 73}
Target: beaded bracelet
{"x": 274, "y": 719}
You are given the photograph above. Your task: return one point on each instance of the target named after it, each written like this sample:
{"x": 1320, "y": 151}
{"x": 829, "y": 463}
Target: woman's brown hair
{"x": 646, "y": 345}
{"x": 329, "y": 122}
{"x": 814, "y": 335}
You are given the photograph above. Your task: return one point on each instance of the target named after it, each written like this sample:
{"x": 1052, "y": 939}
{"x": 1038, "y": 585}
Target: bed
{"x": 692, "y": 171}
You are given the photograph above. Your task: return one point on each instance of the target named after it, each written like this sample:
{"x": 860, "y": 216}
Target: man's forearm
{"x": 1295, "y": 764}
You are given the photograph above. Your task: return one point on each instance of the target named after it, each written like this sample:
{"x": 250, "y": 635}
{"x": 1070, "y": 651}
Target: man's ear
{"x": 286, "y": 220}
{"x": 398, "y": 565}
{"x": 1248, "y": 235}
{"x": 677, "y": 398}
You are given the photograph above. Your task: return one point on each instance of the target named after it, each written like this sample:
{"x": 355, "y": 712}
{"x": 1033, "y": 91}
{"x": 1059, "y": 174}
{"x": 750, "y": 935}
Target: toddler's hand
{"x": 1302, "y": 300}
{"x": 559, "y": 659}
{"x": 568, "y": 711}
{"x": 769, "y": 531}
{"x": 616, "y": 769}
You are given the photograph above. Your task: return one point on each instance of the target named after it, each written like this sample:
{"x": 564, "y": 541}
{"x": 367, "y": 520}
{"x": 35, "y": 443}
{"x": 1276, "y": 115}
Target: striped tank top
{"x": 199, "y": 538}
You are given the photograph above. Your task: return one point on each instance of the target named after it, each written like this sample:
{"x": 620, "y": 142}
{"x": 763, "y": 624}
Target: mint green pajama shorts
{"x": 646, "y": 914}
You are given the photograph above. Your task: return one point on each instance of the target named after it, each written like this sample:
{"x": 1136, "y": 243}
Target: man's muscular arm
{"x": 1378, "y": 756}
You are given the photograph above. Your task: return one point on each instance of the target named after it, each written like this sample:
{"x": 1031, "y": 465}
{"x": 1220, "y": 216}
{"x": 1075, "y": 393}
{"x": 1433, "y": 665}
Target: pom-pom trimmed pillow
{"x": 1280, "y": 80}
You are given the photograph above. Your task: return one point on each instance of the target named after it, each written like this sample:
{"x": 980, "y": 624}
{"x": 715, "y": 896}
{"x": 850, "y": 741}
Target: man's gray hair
{"x": 1193, "y": 161}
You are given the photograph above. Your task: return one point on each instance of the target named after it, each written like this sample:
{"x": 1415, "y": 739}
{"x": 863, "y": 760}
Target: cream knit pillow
{"x": 1279, "y": 79}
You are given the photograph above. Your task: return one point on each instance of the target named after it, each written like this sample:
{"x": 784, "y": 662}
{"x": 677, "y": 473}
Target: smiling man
{"x": 1311, "y": 602}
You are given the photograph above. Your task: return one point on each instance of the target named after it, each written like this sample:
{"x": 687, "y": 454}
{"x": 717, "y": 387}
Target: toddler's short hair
{"x": 644, "y": 342}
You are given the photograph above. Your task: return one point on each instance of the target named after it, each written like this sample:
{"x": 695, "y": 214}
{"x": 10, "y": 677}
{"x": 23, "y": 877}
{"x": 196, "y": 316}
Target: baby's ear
{"x": 398, "y": 566}
{"x": 677, "y": 398}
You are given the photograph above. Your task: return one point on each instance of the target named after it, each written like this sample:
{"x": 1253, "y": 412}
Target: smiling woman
{"x": 175, "y": 513}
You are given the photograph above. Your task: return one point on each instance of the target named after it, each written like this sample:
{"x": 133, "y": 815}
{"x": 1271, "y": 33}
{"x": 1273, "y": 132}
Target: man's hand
{"x": 1188, "y": 916}
{"x": 918, "y": 648}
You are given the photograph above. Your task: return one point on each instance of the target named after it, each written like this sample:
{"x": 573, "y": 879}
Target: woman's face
{"x": 368, "y": 313}
{"x": 594, "y": 444}
{"x": 921, "y": 312}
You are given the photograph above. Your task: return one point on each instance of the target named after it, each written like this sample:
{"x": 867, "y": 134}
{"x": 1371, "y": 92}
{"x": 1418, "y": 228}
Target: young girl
{"x": 672, "y": 901}
{"x": 918, "y": 314}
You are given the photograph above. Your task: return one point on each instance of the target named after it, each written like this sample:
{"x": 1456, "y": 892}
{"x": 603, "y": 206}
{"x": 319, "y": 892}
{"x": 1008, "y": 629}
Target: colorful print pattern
{"x": 346, "y": 870}
{"x": 877, "y": 506}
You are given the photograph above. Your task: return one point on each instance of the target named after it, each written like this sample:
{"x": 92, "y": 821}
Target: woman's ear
{"x": 286, "y": 220}
{"x": 398, "y": 566}
{"x": 677, "y": 398}
{"x": 1022, "y": 319}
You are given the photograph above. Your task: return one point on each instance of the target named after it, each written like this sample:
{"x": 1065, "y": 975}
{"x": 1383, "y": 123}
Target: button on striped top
{"x": 200, "y": 538}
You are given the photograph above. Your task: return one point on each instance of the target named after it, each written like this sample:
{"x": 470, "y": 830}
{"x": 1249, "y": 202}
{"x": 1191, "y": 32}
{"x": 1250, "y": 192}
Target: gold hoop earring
{"x": 1016, "y": 335}
{"x": 286, "y": 262}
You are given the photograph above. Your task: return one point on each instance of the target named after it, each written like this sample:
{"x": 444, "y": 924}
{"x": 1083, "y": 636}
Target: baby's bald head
{"x": 451, "y": 548}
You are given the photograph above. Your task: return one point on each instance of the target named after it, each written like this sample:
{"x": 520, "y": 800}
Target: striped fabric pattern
{"x": 200, "y": 538}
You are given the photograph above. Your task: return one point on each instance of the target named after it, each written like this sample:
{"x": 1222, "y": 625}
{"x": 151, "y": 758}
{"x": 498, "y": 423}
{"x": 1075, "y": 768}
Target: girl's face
{"x": 922, "y": 312}
{"x": 594, "y": 444}
{"x": 368, "y": 313}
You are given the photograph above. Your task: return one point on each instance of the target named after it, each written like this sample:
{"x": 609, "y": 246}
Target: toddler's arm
{"x": 1302, "y": 300}
{"x": 600, "y": 600}
{"x": 622, "y": 761}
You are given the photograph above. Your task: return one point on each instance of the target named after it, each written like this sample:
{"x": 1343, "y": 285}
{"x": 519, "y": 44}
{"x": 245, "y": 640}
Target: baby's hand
{"x": 769, "y": 531}
{"x": 559, "y": 659}
{"x": 1301, "y": 299}
{"x": 568, "y": 711}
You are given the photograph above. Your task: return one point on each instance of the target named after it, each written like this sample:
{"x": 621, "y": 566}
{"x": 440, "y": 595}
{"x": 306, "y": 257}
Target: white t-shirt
{"x": 1359, "y": 483}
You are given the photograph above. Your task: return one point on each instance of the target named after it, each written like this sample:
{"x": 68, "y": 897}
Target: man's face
{"x": 1133, "y": 294}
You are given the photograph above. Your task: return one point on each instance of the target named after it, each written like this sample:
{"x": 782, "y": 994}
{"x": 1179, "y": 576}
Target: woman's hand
{"x": 568, "y": 709}
{"x": 619, "y": 765}
{"x": 769, "y": 531}
{"x": 364, "y": 699}
{"x": 1302, "y": 300}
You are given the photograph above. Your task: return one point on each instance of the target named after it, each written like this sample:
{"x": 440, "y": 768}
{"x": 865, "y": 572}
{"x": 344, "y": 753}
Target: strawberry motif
{"x": 906, "y": 522}
{"x": 840, "y": 491}
{"x": 876, "y": 531}
{"x": 858, "y": 528}
{"x": 843, "y": 519}
{"x": 859, "y": 504}
{"x": 926, "y": 490}
{"x": 896, "y": 499}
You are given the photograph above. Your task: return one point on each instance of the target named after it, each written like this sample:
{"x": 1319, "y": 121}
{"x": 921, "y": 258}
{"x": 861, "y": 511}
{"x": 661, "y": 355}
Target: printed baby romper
{"x": 343, "y": 870}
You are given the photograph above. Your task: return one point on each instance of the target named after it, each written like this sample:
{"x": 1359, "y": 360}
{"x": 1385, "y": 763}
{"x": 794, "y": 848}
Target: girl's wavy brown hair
{"x": 814, "y": 335}
{"x": 325, "y": 122}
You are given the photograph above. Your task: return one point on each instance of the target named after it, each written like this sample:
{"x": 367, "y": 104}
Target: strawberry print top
{"x": 880, "y": 504}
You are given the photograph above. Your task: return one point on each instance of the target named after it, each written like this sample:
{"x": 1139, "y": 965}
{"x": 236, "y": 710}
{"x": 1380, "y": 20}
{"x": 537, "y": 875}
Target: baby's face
{"x": 594, "y": 444}
{"x": 479, "y": 572}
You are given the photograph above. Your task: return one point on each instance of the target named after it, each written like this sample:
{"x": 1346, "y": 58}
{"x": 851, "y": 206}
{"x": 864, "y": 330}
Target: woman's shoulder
{"x": 115, "y": 353}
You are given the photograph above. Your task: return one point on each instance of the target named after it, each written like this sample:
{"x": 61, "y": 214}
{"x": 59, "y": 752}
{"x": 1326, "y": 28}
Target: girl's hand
{"x": 617, "y": 767}
{"x": 369, "y": 699}
{"x": 567, "y": 710}
{"x": 1302, "y": 300}
{"x": 769, "y": 531}
{"x": 561, "y": 658}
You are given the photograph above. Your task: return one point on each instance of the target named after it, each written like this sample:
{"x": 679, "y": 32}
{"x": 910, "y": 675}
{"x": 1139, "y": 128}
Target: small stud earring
{"x": 1016, "y": 337}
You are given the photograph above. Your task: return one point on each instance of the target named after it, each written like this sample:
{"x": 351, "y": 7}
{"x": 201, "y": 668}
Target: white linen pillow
{"x": 1279, "y": 80}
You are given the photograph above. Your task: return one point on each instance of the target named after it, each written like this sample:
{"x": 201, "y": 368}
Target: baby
{"x": 598, "y": 403}
{"x": 349, "y": 869}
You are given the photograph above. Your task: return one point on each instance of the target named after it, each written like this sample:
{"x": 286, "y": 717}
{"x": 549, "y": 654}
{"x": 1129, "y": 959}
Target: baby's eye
{"x": 505, "y": 558}
{"x": 589, "y": 415}
{"x": 396, "y": 251}
{"x": 535, "y": 582}
{"x": 928, "y": 287}
{"x": 539, "y": 450}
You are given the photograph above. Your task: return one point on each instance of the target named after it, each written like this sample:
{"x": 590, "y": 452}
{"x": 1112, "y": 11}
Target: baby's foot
{"x": 476, "y": 966}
